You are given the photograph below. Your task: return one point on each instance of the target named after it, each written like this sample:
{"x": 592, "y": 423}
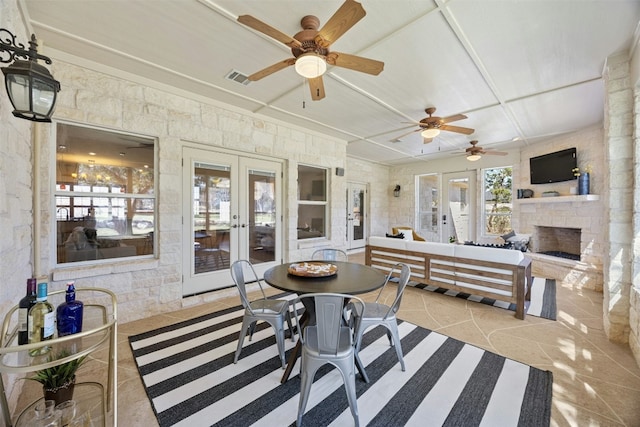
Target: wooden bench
{"x": 500, "y": 274}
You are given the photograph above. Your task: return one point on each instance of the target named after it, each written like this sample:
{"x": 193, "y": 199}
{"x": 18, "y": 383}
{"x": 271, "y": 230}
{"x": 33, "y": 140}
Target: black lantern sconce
{"x": 396, "y": 191}
{"x": 31, "y": 88}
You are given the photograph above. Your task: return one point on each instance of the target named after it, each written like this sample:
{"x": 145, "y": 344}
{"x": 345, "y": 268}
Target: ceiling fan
{"x": 474, "y": 153}
{"x": 431, "y": 126}
{"x": 310, "y": 47}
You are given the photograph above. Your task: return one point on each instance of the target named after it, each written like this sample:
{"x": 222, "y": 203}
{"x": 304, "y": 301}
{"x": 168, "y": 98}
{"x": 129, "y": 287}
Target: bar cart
{"x": 94, "y": 400}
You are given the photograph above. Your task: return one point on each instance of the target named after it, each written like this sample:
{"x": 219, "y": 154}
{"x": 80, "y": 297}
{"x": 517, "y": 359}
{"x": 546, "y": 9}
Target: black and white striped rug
{"x": 542, "y": 304}
{"x": 191, "y": 380}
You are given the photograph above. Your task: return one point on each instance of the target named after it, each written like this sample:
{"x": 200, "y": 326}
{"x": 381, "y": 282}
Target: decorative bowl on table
{"x": 312, "y": 269}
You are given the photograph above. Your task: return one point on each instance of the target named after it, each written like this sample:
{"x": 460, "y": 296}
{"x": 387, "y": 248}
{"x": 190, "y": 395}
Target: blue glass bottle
{"x": 69, "y": 313}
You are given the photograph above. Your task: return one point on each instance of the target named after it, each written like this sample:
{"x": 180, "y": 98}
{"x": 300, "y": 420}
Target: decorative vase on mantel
{"x": 583, "y": 183}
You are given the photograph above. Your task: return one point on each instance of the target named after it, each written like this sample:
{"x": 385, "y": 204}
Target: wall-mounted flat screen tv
{"x": 553, "y": 167}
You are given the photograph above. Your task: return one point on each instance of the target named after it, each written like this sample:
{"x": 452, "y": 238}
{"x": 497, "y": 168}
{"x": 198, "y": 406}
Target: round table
{"x": 351, "y": 278}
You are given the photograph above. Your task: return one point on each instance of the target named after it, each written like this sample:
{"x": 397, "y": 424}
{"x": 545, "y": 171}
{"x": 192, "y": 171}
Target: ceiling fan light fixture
{"x": 310, "y": 65}
{"x": 430, "y": 133}
{"x": 474, "y": 157}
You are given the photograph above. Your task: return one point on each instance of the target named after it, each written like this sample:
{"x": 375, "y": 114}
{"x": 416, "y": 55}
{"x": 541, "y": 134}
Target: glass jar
{"x": 46, "y": 415}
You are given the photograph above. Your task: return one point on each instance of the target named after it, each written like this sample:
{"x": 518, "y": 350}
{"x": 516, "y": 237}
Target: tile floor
{"x": 596, "y": 382}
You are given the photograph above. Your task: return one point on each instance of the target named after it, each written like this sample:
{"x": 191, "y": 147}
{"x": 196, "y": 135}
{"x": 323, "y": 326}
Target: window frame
{"x": 484, "y": 201}
{"x": 146, "y": 239}
{"x": 315, "y": 190}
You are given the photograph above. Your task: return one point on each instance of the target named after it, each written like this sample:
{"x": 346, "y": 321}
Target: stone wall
{"x": 377, "y": 177}
{"x": 16, "y": 194}
{"x": 619, "y": 193}
{"x": 97, "y": 98}
{"x": 569, "y": 210}
{"x": 634, "y": 292}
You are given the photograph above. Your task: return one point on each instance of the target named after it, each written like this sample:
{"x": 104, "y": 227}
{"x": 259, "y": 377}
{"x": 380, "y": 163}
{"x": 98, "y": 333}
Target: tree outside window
{"x": 497, "y": 199}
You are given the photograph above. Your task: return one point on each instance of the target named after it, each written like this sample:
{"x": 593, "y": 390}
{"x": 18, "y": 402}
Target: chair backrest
{"x": 405, "y": 274}
{"x": 329, "y": 312}
{"x": 330, "y": 255}
{"x": 242, "y": 273}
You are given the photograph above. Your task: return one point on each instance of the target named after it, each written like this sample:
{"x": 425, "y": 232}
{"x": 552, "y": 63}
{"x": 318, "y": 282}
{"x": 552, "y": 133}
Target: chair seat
{"x": 345, "y": 343}
{"x": 376, "y": 311}
{"x": 269, "y": 306}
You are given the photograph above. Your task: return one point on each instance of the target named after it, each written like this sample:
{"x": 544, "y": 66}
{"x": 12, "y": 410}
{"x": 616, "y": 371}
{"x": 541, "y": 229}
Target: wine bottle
{"x": 23, "y": 311}
{"x": 69, "y": 313}
{"x": 41, "y": 321}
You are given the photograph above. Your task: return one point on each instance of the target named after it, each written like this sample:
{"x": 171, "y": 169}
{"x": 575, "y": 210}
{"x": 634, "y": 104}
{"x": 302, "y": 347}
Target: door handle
{"x": 234, "y": 226}
{"x": 243, "y": 225}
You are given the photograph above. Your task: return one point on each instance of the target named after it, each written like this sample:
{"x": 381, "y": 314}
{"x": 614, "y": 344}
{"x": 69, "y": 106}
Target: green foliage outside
{"x": 498, "y": 194}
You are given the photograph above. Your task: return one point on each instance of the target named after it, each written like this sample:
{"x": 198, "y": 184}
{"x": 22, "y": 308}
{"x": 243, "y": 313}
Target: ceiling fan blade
{"x": 458, "y": 129}
{"x": 495, "y": 153}
{"x": 316, "y": 85}
{"x": 453, "y": 118}
{"x": 397, "y": 138}
{"x": 345, "y": 17}
{"x": 258, "y": 25}
{"x": 271, "y": 69}
{"x": 357, "y": 63}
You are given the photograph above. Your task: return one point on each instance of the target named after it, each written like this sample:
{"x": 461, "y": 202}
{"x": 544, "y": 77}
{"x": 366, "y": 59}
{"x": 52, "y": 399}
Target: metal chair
{"x": 326, "y": 338}
{"x": 330, "y": 255}
{"x": 272, "y": 311}
{"x": 377, "y": 313}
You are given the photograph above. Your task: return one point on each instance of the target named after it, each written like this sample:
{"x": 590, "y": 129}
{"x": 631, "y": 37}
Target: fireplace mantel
{"x": 561, "y": 199}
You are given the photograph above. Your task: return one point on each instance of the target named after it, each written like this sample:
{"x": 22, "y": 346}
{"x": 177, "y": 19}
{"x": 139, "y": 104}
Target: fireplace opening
{"x": 560, "y": 254}
{"x": 562, "y": 242}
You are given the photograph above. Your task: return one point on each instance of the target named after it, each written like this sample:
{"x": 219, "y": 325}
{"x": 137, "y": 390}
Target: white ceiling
{"x": 517, "y": 69}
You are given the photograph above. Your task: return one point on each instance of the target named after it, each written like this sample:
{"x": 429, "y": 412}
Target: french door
{"x": 356, "y": 212}
{"x": 446, "y": 207}
{"x": 232, "y": 210}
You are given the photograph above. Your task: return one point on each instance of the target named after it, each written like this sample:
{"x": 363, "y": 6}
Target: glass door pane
{"x": 262, "y": 216}
{"x": 211, "y": 217}
{"x": 457, "y": 227}
{"x": 458, "y": 217}
{"x": 210, "y": 205}
{"x": 428, "y": 224}
{"x": 356, "y": 207}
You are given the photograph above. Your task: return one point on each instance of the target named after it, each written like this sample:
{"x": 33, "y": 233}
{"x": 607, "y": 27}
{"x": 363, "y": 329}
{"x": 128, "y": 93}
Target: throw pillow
{"x": 520, "y": 238}
{"x": 509, "y": 235}
{"x": 395, "y": 236}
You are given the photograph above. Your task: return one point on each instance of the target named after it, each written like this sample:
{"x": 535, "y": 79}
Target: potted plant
{"x": 58, "y": 381}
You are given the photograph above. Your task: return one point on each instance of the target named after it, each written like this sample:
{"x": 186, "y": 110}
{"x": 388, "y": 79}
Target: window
{"x": 312, "y": 202}
{"x": 497, "y": 200}
{"x": 104, "y": 196}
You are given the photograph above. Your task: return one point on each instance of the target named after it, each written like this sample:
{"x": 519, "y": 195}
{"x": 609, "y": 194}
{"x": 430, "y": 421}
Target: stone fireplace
{"x": 563, "y": 242}
{"x": 565, "y": 224}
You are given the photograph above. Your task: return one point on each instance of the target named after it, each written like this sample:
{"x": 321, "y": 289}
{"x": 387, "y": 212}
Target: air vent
{"x": 238, "y": 77}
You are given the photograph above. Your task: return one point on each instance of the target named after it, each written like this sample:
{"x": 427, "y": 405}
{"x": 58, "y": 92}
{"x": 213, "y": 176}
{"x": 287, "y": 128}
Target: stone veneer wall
{"x": 16, "y": 195}
{"x": 619, "y": 189}
{"x": 568, "y": 212}
{"x": 150, "y": 286}
{"x": 379, "y": 192}
{"x": 634, "y": 297}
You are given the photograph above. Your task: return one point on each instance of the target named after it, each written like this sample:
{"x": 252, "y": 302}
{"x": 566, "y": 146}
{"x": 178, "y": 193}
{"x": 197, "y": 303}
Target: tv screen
{"x": 553, "y": 167}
